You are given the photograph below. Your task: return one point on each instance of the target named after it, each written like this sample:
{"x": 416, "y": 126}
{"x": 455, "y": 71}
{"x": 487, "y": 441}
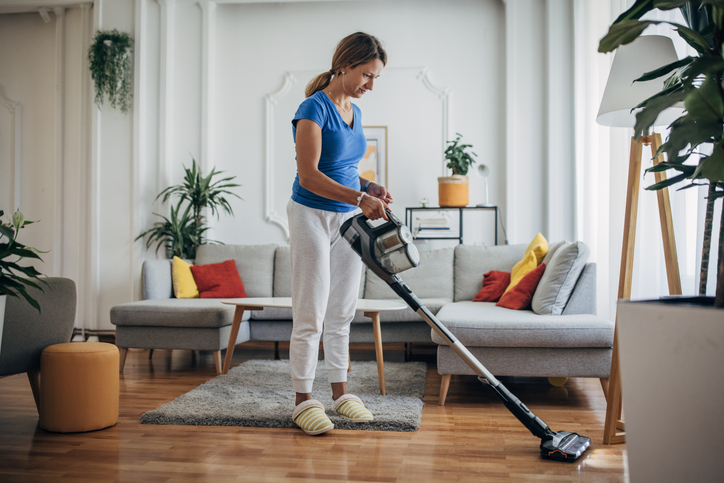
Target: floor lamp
{"x": 620, "y": 96}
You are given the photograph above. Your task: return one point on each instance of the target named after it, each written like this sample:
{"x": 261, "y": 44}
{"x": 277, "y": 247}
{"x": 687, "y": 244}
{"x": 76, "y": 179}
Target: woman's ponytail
{"x": 318, "y": 83}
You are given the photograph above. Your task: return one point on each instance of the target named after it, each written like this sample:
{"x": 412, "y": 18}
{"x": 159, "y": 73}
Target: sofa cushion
{"x": 283, "y": 275}
{"x": 494, "y": 284}
{"x": 218, "y": 280}
{"x": 432, "y": 279}
{"x": 255, "y": 264}
{"x": 559, "y": 279}
{"x": 405, "y": 315}
{"x": 184, "y": 285}
{"x": 471, "y": 262}
{"x": 519, "y": 297}
{"x": 174, "y": 313}
{"x": 482, "y": 324}
{"x": 532, "y": 257}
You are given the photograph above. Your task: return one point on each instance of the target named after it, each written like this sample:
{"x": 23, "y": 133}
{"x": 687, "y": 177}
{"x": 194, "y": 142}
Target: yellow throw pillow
{"x": 531, "y": 259}
{"x": 184, "y": 286}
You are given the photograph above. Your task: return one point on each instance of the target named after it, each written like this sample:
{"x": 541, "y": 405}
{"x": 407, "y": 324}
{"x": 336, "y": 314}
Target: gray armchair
{"x": 26, "y": 332}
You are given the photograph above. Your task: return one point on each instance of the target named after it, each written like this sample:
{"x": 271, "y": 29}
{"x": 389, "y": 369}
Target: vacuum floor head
{"x": 565, "y": 446}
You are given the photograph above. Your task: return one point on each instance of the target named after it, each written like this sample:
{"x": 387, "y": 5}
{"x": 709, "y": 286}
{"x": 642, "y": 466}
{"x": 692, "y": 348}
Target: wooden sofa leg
{"x": 34, "y": 379}
{"x": 123, "y": 352}
{"x": 444, "y": 386}
{"x": 276, "y": 350}
{"x": 217, "y": 361}
{"x": 604, "y": 385}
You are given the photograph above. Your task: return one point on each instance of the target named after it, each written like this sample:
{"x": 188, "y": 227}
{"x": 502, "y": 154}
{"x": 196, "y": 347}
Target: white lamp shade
{"x": 631, "y": 61}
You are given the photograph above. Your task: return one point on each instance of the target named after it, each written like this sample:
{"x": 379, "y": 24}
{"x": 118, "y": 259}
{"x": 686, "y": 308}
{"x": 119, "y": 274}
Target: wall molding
{"x": 59, "y": 140}
{"x": 140, "y": 140}
{"x": 166, "y": 89}
{"x": 273, "y": 214}
{"x": 15, "y": 111}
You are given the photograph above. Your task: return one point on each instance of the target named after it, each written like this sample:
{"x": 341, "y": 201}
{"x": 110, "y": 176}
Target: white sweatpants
{"x": 325, "y": 286}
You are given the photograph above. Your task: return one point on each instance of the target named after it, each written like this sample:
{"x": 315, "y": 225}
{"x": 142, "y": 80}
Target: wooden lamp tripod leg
{"x": 613, "y": 406}
{"x": 613, "y": 397}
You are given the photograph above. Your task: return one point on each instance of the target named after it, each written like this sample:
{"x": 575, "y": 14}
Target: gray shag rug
{"x": 259, "y": 393}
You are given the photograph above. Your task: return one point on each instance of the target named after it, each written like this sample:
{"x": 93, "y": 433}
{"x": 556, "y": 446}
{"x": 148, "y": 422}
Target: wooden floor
{"x": 472, "y": 438}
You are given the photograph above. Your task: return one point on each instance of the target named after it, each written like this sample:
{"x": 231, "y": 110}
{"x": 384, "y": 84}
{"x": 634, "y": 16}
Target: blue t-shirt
{"x": 342, "y": 149}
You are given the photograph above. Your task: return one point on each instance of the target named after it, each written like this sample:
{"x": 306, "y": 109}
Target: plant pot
{"x": 3, "y": 299}
{"x": 672, "y": 374}
{"x": 453, "y": 190}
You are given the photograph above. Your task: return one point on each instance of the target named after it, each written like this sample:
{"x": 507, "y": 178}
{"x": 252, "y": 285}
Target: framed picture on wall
{"x": 373, "y": 166}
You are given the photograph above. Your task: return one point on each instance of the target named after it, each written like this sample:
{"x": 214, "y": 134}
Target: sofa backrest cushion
{"x": 472, "y": 262}
{"x": 157, "y": 279}
{"x": 559, "y": 279}
{"x": 255, "y": 264}
{"x": 432, "y": 279}
{"x": 283, "y": 274}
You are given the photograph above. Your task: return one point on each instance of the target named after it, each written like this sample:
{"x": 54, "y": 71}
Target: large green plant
{"x": 185, "y": 229}
{"x": 697, "y": 82}
{"x": 14, "y": 278}
{"x": 458, "y": 159}
{"x": 109, "y": 58}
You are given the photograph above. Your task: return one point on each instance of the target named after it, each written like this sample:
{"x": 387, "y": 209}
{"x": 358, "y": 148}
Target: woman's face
{"x": 361, "y": 79}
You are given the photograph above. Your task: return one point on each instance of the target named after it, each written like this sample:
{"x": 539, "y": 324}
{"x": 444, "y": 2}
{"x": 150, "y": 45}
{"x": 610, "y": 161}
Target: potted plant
{"x": 109, "y": 59}
{"x": 185, "y": 229}
{"x": 14, "y": 278}
{"x": 453, "y": 190}
{"x": 677, "y": 339}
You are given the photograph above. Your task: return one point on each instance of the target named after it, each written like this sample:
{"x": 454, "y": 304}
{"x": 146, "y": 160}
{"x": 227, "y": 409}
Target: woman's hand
{"x": 373, "y": 208}
{"x": 379, "y": 191}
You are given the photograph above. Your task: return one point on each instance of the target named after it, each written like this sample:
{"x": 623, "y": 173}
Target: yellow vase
{"x": 453, "y": 190}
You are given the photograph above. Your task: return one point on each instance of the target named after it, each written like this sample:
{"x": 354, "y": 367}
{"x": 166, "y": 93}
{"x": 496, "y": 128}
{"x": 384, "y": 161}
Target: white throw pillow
{"x": 559, "y": 279}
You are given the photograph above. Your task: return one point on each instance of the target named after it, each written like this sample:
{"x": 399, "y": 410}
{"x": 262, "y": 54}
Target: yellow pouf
{"x": 78, "y": 387}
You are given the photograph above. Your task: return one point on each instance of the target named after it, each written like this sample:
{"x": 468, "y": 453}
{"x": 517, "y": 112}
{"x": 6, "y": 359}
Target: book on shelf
{"x": 432, "y": 222}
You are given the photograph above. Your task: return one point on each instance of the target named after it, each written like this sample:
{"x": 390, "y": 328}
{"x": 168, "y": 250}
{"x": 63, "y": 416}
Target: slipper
{"x": 353, "y": 408}
{"x": 310, "y": 416}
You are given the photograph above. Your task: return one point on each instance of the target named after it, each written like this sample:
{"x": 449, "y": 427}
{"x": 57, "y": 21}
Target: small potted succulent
{"x": 453, "y": 190}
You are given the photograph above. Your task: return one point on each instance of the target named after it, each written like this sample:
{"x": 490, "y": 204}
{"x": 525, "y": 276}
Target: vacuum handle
{"x": 534, "y": 424}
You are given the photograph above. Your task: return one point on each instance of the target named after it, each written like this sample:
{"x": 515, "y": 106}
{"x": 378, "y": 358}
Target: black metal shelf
{"x": 409, "y": 212}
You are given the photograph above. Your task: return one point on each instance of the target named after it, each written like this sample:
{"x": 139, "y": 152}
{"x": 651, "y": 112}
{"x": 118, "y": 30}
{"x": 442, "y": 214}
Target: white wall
{"x": 91, "y": 174}
{"x": 209, "y": 76}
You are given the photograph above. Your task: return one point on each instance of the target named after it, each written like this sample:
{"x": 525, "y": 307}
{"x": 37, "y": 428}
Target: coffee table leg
{"x": 375, "y": 316}
{"x": 238, "y": 314}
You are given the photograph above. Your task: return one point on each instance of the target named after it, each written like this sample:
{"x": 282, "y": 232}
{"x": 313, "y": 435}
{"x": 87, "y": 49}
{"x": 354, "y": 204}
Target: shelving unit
{"x": 452, "y": 234}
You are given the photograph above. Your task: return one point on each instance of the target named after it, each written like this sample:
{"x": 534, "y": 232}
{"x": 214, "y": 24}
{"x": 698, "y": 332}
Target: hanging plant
{"x": 109, "y": 57}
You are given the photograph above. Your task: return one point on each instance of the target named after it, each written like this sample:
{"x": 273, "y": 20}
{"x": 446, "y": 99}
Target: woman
{"x": 327, "y": 191}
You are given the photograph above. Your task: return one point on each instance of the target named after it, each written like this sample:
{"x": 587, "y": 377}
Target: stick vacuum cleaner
{"x": 387, "y": 249}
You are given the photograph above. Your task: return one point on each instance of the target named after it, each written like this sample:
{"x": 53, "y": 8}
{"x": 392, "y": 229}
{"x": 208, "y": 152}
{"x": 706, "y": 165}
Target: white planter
{"x": 3, "y": 298}
{"x": 672, "y": 376}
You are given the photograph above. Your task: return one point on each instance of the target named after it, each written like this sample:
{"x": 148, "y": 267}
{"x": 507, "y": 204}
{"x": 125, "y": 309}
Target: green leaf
{"x": 693, "y": 38}
{"x": 669, "y": 4}
{"x": 653, "y": 107}
{"x": 7, "y": 231}
{"x": 637, "y": 10}
{"x": 712, "y": 167}
{"x": 622, "y": 33}
{"x": 686, "y": 131}
{"x": 667, "y": 182}
{"x": 705, "y": 103}
{"x": 655, "y": 74}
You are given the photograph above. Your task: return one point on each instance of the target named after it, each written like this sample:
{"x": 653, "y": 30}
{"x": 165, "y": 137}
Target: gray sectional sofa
{"x": 569, "y": 340}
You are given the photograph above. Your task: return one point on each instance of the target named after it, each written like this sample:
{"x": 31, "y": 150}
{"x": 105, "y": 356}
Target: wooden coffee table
{"x": 370, "y": 308}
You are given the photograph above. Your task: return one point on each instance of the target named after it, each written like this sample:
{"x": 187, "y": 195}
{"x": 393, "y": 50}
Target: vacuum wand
{"x": 387, "y": 249}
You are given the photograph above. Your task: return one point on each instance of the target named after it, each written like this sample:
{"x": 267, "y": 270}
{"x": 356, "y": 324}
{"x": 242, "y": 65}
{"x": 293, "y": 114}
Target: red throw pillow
{"x": 494, "y": 285}
{"x": 520, "y": 296}
{"x": 218, "y": 280}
